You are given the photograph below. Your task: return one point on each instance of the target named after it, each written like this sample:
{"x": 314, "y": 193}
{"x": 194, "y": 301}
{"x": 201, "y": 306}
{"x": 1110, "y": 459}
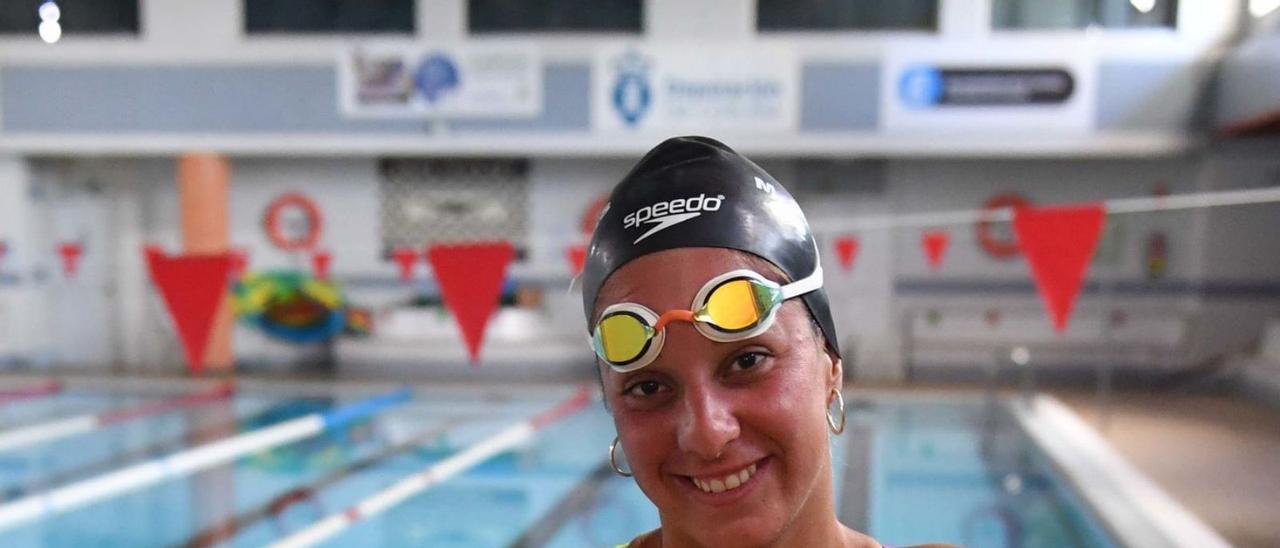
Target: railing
{"x": 1020, "y": 338}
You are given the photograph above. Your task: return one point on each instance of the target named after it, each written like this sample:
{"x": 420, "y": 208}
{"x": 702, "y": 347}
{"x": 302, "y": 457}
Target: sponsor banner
{"x": 986, "y": 87}
{"x": 430, "y": 82}
{"x": 695, "y": 88}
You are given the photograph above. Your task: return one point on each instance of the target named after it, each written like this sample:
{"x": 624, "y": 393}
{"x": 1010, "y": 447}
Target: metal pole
{"x": 993, "y": 372}
{"x": 1027, "y": 376}
{"x": 1109, "y": 351}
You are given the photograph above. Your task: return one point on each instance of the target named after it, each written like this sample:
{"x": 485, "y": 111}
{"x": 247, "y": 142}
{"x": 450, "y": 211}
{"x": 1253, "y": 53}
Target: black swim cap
{"x": 698, "y": 192}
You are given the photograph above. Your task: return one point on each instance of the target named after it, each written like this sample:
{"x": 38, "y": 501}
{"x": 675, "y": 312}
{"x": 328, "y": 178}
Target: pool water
{"x": 906, "y": 471}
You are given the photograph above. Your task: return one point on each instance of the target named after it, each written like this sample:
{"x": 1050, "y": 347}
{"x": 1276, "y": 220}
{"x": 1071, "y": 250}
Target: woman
{"x": 717, "y": 353}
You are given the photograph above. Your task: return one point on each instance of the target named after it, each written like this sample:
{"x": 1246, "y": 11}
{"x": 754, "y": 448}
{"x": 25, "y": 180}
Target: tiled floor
{"x": 1219, "y": 456}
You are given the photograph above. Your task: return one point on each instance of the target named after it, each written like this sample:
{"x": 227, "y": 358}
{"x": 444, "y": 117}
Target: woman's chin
{"x": 746, "y": 531}
{"x": 741, "y": 516}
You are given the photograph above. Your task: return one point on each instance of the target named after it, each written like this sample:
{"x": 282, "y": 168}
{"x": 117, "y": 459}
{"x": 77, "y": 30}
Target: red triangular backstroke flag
{"x": 847, "y": 251}
{"x": 1058, "y": 243}
{"x": 470, "y": 279}
{"x": 935, "y": 243}
{"x": 4, "y": 248}
{"x": 577, "y": 255}
{"x": 193, "y": 287}
{"x": 320, "y": 261}
{"x": 70, "y": 252}
{"x": 404, "y": 258}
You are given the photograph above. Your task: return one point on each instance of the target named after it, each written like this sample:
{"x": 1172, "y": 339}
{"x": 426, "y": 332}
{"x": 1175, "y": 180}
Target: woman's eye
{"x": 748, "y": 360}
{"x": 645, "y": 388}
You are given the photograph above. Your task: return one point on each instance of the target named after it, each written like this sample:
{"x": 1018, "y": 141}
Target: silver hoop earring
{"x": 836, "y": 429}
{"x": 613, "y": 447}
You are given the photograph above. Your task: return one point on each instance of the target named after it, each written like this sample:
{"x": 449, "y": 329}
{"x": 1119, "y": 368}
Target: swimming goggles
{"x": 733, "y": 306}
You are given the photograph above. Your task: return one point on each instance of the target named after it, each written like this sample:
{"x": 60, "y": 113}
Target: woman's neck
{"x": 838, "y": 536}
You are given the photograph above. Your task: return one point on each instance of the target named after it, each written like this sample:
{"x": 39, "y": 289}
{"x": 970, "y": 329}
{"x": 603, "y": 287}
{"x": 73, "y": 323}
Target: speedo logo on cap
{"x": 664, "y": 215}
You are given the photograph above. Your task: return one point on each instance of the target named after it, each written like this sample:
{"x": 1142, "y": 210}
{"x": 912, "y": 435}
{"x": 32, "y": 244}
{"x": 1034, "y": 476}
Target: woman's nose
{"x": 707, "y": 423}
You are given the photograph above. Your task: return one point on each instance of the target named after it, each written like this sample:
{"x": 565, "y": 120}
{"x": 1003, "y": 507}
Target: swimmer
{"x": 716, "y": 350}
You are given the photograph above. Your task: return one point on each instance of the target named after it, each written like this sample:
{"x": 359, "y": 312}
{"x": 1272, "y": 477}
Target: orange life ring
{"x": 999, "y": 248}
{"x": 271, "y": 221}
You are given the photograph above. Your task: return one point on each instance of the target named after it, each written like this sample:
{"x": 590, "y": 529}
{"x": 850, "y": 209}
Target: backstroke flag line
{"x": 935, "y": 244}
{"x": 193, "y": 287}
{"x": 1058, "y": 243}
{"x": 470, "y": 277}
{"x": 847, "y": 251}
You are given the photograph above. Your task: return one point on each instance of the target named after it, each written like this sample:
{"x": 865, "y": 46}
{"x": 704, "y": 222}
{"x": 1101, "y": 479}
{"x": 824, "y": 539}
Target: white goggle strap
{"x": 809, "y": 283}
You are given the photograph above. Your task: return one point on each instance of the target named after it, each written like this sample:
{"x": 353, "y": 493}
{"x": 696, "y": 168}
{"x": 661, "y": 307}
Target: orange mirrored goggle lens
{"x": 621, "y": 337}
{"x": 735, "y": 305}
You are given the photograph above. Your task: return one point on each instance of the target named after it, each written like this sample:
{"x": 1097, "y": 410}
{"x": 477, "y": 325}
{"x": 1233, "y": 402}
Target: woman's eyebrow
{"x": 607, "y": 298}
{"x": 629, "y": 293}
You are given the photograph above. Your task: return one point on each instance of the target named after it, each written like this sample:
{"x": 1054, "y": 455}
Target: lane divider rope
{"x": 418, "y": 482}
{"x": 193, "y": 460}
{"x": 47, "y": 388}
{"x": 18, "y": 438}
{"x": 229, "y": 528}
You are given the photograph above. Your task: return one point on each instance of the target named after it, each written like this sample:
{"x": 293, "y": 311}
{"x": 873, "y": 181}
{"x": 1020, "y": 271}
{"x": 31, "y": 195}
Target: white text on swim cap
{"x": 670, "y": 213}
{"x": 764, "y": 185}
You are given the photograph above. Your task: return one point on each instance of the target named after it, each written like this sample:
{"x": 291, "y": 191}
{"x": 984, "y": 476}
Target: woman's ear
{"x": 837, "y": 373}
{"x": 834, "y": 369}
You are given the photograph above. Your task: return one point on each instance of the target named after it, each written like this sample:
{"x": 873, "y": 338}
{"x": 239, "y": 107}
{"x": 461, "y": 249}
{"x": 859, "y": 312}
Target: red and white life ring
{"x": 273, "y": 222}
{"x": 994, "y": 246}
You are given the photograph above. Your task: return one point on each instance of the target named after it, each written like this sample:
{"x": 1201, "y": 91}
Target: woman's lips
{"x": 722, "y": 488}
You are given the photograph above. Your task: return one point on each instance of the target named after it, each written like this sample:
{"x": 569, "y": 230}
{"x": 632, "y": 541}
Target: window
{"x": 843, "y": 15}
{"x": 428, "y": 202}
{"x": 329, "y": 16}
{"x": 491, "y": 16}
{"x": 74, "y": 16}
{"x": 1078, "y": 14}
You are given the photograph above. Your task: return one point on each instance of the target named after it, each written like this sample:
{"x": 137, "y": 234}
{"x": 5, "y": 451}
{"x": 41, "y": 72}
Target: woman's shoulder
{"x": 855, "y": 538}
{"x": 645, "y": 540}
{"x": 653, "y": 539}
{"x": 930, "y": 545}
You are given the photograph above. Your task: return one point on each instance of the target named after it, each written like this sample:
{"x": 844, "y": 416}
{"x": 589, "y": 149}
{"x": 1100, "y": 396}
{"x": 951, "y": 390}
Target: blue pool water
{"x": 906, "y": 471}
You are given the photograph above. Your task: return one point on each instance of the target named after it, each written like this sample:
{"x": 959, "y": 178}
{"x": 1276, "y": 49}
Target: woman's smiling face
{"x": 729, "y": 440}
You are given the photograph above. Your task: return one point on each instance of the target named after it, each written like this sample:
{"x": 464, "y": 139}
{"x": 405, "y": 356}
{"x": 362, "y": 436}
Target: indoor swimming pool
{"x": 909, "y": 469}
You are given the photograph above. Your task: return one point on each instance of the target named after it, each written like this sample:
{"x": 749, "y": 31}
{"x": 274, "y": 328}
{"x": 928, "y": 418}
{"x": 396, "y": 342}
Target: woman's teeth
{"x": 727, "y": 483}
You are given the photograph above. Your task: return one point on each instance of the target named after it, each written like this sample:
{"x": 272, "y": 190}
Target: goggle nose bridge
{"x": 675, "y": 315}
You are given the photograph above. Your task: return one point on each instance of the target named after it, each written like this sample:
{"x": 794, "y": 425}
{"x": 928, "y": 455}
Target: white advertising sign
{"x": 695, "y": 88}
{"x": 427, "y": 82}
{"x": 986, "y": 86}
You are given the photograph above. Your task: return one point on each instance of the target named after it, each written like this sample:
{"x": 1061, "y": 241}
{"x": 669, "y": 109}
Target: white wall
{"x": 22, "y": 336}
{"x": 111, "y": 313}
{"x": 345, "y": 190}
{"x": 53, "y": 318}
{"x": 1240, "y": 248}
